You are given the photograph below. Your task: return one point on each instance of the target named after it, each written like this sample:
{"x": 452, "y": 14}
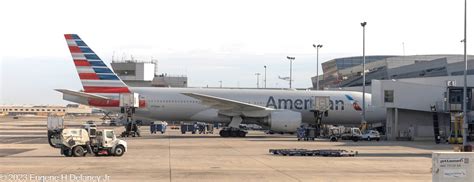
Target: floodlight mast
{"x": 317, "y": 64}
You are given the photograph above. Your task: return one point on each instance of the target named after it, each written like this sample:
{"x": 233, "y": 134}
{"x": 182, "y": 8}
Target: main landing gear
{"x": 232, "y": 132}
{"x": 233, "y": 129}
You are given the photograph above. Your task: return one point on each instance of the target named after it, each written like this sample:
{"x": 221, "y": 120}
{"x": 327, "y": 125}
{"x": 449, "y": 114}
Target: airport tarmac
{"x": 175, "y": 157}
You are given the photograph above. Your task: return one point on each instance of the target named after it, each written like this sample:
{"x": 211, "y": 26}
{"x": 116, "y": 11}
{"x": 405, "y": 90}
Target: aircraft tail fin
{"x": 95, "y": 75}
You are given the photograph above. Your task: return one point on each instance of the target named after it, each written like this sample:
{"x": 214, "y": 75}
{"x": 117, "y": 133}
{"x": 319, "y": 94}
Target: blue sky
{"x": 213, "y": 40}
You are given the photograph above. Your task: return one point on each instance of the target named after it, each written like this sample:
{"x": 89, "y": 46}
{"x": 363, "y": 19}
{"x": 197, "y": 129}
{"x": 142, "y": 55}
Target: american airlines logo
{"x": 355, "y": 104}
{"x": 300, "y": 104}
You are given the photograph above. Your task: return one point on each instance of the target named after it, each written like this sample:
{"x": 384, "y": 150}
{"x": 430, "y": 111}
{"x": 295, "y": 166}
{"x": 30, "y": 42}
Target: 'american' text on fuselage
{"x": 300, "y": 104}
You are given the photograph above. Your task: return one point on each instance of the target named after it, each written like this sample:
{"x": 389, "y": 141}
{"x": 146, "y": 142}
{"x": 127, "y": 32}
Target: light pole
{"x": 363, "y": 24}
{"x": 265, "y": 76}
{"x": 464, "y": 103}
{"x": 317, "y": 64}
{"x": 291, "y": 69}
{"x": 258, "y": 79}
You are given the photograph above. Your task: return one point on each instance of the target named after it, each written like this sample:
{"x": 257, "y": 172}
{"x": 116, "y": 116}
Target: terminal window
{"x": 388, "y": 96}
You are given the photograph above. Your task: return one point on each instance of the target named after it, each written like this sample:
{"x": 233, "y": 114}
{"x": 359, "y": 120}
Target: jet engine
{"x": 284, "y": 120}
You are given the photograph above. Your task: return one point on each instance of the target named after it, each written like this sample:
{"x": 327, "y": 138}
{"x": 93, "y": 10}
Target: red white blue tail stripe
{"x": 95, "y": 76}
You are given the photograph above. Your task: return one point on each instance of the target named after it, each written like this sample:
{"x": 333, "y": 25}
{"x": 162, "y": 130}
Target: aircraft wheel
{"x": 224, "y": 133}
{"x": 234, "y": 133}
{"x": 242, "y": 134}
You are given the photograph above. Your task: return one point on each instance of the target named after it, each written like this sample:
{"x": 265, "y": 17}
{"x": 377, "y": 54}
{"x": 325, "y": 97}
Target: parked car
{"x": 371, "y": 135}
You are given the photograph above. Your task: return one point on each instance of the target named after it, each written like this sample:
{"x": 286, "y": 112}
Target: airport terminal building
{"x": 422, "y": 94}
{"x": 45, "y": 110}
{"x": 347, "y": 72}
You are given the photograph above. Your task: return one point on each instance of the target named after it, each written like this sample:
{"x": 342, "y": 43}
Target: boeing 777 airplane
{"x": 280, "y": 110}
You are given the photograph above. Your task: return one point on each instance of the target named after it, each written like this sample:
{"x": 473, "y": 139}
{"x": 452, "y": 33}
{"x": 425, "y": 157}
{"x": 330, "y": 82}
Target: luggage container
{"x": 161, "y": 128}
{"x": 188, "y": 128}
{"x": 210, "y": 128}
{"x": 152, "y": 128}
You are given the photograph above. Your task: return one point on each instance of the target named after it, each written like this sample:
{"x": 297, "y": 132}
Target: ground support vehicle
{"x": 353, "y": 134}
{"x": 78, "y": 142}
{"x": 306, "y": 133}
{"x": 306, "y": 152}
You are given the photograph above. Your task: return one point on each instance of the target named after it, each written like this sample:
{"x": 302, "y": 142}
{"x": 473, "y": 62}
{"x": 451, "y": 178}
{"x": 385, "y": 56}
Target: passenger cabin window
{"x": 388, "y": 96}
{"x": 109, "y": 134}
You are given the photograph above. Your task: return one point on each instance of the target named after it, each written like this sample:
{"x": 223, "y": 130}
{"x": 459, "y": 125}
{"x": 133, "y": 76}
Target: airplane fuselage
{"x": 282, "y": 110}
{"x": 170, "y": 105}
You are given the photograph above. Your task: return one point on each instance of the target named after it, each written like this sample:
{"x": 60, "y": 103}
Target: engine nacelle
{"x": 284, "y": 120}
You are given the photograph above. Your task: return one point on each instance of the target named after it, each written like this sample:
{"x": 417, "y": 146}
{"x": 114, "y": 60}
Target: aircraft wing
{"x": 228, "y": 105}
{"x": 81, "y": 94}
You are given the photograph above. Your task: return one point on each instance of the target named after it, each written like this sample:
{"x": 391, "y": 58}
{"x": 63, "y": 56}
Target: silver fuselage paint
{"x": 170, "y": 105}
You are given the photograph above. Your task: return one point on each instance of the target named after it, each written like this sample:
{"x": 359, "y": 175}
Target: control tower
{"x": 137, "y": 73}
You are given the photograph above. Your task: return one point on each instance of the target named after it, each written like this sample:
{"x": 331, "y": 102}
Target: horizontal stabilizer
{"x": 81, "y": 94}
